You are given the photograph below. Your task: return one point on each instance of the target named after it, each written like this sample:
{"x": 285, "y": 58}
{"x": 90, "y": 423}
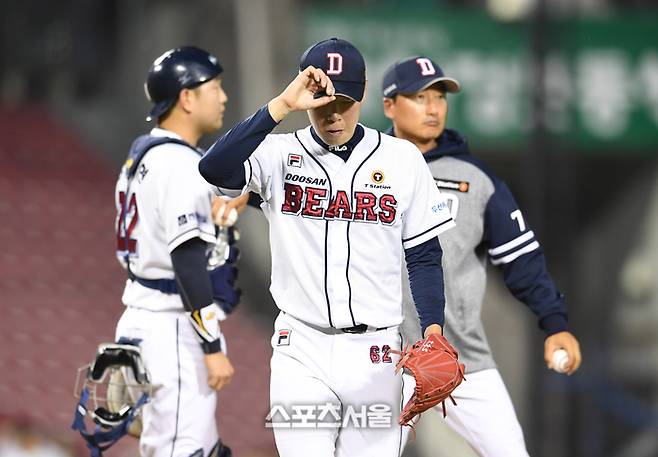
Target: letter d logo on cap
{"x": 426, "y": 67}
{"x": 335, "y": 63}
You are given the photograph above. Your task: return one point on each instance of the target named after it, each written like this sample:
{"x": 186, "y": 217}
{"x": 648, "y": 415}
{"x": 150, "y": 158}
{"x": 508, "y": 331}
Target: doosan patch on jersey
{"x": 306, "y": 179}
{"x": 284, "y": 337}
{"x": 295, "y": 160}
{"x": 460, "y": 186}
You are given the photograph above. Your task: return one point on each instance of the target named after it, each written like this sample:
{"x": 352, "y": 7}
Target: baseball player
{"x": 343, "y": 202}
{"x": 164, "y": 230}
{"x": 489, "y": 225}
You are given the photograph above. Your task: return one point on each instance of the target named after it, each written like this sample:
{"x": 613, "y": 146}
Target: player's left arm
{"x": 184, "y": 203}
{"x": 426, "y": 217}
{"x": 513, "y": 247}
{"x": 189, "y": 262}
{"x": 426, "y": 283}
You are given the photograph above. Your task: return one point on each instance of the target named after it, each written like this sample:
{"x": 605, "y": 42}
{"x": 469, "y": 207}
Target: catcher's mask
{"x": 118, "y": 385}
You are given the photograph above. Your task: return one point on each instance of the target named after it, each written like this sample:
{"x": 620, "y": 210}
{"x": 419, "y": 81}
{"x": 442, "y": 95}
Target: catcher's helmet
{"x": 179, "y": 68}
{"x": 117, "y": 384}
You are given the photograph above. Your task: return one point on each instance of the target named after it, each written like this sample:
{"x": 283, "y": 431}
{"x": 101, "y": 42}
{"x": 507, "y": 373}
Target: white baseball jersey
{"x": 166, "y": 203}
{"x": 337, "y": 228}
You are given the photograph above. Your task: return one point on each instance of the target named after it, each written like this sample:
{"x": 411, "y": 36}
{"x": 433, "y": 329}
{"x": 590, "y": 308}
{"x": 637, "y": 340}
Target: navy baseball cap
{"x": 342, "y": 62}
{"x": 414, "y": 74}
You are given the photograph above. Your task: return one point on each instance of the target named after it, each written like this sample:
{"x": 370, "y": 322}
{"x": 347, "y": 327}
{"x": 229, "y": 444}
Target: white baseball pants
{"x": 180, "y": 418}
{"x": 312, "y": 368}
{"x": 484, "y": 415}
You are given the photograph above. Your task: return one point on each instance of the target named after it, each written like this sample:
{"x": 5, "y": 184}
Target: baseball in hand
{"x": 230, "y": 219}
{"x": 560, "y": 361}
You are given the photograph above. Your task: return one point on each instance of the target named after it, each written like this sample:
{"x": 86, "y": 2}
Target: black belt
{"x": 361, "y": 328}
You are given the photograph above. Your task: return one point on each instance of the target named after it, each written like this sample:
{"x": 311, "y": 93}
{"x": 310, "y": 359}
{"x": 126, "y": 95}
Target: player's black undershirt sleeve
{"x": 189, "y": 262}
{"x": 426, "y": 281}
{"x": 222, "y": 165}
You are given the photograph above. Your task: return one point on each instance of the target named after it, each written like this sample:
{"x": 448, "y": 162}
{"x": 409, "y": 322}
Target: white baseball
{"x": 230, "y": 219}
{"x": 560, "y": 361}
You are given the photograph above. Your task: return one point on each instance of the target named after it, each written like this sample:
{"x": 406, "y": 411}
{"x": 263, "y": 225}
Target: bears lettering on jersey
{"x": 313, "y": 202}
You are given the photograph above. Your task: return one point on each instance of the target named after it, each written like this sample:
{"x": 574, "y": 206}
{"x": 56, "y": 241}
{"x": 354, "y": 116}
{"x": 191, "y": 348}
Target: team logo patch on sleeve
{"x": 283, "y": 337}
{"x": 295, "y": 160}
{"x": 459, "y": 186}
{"x": 182, "y": 220}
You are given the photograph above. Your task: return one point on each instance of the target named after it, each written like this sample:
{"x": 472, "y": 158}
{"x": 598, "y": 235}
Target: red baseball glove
{"x": 433, "y": 363}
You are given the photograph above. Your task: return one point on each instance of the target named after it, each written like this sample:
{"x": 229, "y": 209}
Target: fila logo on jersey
{"x": 284, "y": 337}
{"x": 295, "y": 160}
{"x": 314, "y": 203}
{"x": 426, "y": 67}
{"x": 461, "y": 186}
{"x": 335, "y": 63}
{"x": 337, "y": 148}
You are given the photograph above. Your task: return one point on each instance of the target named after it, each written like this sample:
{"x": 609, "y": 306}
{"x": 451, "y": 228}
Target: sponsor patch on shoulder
{"x": 459, "y": 186}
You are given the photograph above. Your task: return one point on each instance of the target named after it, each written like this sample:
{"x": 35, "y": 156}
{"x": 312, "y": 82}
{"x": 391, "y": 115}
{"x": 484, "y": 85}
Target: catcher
{"x": 180, "y": 267}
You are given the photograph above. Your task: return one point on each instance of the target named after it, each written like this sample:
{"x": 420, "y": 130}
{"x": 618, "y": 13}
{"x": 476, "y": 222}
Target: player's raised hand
{"x": 568, "y": 342}
{"x": 220, "y": 370}
{"x": 301, "y": 93}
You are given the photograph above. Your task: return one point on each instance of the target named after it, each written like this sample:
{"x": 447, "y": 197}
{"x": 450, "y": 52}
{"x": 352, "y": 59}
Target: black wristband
{"x": 213, "y": 347}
